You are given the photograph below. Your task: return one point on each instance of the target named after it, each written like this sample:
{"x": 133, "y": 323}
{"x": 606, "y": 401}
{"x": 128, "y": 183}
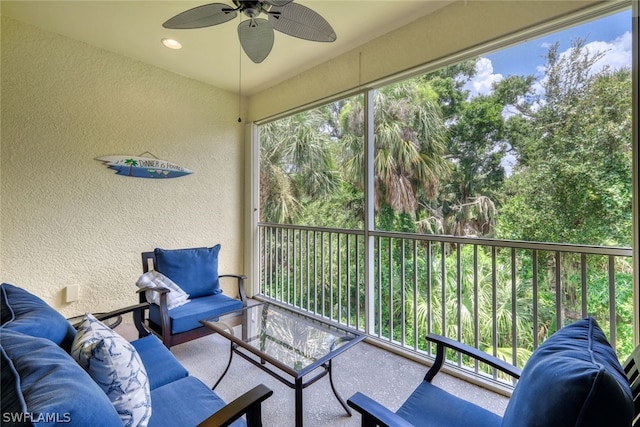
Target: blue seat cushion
{"x": 188, "y": 316}
{"x": 38, "y": 379}
{"x": 573, "y": 379}
{"x": 161, "y": 365}
{"x": 429, "y": 405}
{"x": 30, "y": 315}
{"x": 185, "y": 402}
{"x": 194, "y": 270}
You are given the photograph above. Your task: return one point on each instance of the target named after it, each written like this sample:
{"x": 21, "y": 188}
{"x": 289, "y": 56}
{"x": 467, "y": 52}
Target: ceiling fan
{"x": 256, "y": 34}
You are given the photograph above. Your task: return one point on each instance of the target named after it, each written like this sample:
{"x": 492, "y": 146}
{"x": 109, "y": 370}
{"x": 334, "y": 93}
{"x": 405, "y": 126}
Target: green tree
{"x": 480, "y": 285}
{"x": 448, "y": 83}
{"x": 572, "y": 183}
{"x": 409, "y": 145}
{"x": 296, "y": 161}
{"x": 476, "y": 146}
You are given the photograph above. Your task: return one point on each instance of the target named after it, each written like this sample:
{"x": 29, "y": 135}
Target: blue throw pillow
{"x": 43, "y": 385}
{"x": 195, "y": 270}
{"x": 32, "y": 316}
{"x": 573, "y": 379}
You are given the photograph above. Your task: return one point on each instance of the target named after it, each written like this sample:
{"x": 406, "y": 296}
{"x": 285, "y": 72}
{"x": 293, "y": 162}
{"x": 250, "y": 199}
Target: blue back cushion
{"x": 194, "y": 270}
{"x": 573, "y": 379}
{"x": 30, "y": 315}
{"x": 40, "y": 379}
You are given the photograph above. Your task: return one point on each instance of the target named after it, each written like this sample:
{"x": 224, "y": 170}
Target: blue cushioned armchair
{"x": 572, "y": 379}
{"x": 195, "y": 271}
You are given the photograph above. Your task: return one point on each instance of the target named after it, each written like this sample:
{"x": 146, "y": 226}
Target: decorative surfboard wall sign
{"x": 143, "y": 167}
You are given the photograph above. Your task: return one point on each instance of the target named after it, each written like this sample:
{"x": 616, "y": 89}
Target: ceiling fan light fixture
{"x": 171, "y": 43}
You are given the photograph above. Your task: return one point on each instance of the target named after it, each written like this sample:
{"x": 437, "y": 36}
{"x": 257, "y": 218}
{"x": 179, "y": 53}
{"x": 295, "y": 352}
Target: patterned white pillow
{"x": 114, "y": 364}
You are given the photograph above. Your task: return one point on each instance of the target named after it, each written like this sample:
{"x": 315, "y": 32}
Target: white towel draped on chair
{"x": 175, "y": 298}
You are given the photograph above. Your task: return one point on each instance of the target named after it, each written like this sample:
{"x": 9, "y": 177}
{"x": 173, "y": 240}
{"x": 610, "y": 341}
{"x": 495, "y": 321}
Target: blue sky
{"x": 611, "y": 34}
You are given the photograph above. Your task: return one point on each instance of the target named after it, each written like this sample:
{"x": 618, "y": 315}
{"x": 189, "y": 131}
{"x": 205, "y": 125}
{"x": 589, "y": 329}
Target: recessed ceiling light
{"x": 171, "y": 43}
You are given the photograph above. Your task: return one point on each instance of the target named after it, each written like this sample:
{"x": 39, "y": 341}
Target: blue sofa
{"x": 42, "y": 384}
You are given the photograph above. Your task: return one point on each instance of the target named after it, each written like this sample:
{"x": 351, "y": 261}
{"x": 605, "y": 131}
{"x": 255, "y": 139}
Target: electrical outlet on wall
{"x": 72, "y": 293}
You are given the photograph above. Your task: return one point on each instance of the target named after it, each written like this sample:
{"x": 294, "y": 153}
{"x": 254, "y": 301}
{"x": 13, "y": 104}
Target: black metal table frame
{"x": 324, "y": 363}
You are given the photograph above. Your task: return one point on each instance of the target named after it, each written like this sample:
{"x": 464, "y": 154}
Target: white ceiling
{"x": 213, "y": 55}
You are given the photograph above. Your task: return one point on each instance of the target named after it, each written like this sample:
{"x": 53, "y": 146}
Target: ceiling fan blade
{"x": 301, "y": 22}
{"x": 202, "y": 16}
{"x": 256, "y": 37}
{"x": 279, "y": 3}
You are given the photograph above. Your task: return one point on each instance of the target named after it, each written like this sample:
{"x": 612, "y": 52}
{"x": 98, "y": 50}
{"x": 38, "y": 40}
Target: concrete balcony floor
{"x": 384, "y": 376}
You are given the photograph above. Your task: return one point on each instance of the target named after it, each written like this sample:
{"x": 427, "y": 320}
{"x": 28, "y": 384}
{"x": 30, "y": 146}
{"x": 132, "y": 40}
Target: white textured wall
{"x": 66, "y": 218}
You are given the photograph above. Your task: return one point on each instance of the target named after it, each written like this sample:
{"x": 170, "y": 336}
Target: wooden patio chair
{"x": 573, "y": 379}
{"x": 195, "y": 271}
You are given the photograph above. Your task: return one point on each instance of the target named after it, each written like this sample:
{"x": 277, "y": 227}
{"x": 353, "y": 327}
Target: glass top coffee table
{"x": 280, "y": 341}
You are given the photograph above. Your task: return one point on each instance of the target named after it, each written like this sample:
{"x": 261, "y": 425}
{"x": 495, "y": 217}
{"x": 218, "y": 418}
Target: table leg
{"x": 231, "y": 347}
{"x": 335, "y": 392}
{"x": 299, "y": 413}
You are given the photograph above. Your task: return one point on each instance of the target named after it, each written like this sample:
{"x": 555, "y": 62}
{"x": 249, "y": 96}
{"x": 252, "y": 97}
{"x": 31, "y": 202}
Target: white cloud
{"x": 617, "y": 53}
{"x": 484, "y": 79}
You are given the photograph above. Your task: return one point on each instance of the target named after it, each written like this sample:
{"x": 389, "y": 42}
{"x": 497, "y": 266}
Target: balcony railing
{"x": 504, "y": 297}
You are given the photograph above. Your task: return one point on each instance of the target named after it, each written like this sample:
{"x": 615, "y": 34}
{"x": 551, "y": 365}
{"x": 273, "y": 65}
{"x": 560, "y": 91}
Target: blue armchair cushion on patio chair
{"x": 195, "y": 270}
{"x": 429, "y": 405}
{"x": 187, "y": 393}
{"x": 162, "y": 367}
{"x": 188, "y": 316}
{"x": 26, "y": 313}
{"x": 38, "y": 378}
{"x": 573, "y": 379}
